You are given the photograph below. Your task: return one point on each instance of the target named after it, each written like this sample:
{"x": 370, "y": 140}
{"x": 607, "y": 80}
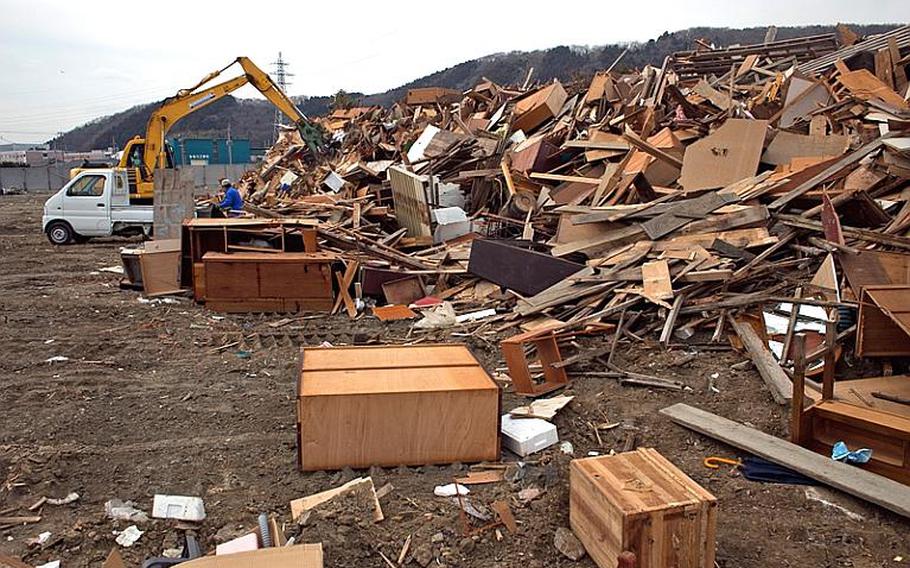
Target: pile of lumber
{"x": 681, "y": 195}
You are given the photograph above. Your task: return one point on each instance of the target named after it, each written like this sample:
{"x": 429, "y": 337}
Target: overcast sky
{"x": 65, "y": 62}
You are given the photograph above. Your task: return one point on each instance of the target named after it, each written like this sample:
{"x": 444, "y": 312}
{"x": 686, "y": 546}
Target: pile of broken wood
{"x": 678, "y": 197}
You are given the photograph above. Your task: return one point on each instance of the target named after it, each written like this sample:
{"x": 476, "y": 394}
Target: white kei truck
{"x": 95, "y": 203}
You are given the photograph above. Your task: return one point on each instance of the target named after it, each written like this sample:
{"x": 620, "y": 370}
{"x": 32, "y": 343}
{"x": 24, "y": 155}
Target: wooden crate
{"x": 389, "y": 406}
{"x": 268, "y": 282}
{"x": 640, "y": 502}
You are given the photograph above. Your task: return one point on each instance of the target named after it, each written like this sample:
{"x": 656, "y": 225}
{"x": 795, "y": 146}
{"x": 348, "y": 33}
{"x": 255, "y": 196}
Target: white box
{"x": 178, "y": 507}
{"x": 525, "y": 436}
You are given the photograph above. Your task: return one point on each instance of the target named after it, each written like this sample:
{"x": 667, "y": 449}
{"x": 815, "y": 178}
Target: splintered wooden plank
{"x": 742, "y": 238}
{"x": 686, "y": 212}
{"x": 564, "y": 178}
{"x": 304, "y": 504}
{"x": 769, "y": 369}
{"x": 656, "y": 279}
{"x": 864, "y": 85}
{"x": 836, "y": 167}
{"x": 851, "y": 479}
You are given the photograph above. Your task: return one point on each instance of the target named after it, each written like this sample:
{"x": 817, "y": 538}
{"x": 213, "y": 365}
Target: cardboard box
{"x": 640, "y": 502}
{"x": 296, "y": 556}
{"x": 389, "y": 406}
{"x": 525, "y": 436}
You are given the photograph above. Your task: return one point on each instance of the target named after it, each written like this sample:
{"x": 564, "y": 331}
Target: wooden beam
{"x": 770, "y": 371}
{"x": 850, "y": 479}
{"x": 651, "y": 150}
{"x": 799, "y": 388}
{"x": 667, "y": 331}
{"x": 562, "y": 178}
{"x": 848, "y": 232}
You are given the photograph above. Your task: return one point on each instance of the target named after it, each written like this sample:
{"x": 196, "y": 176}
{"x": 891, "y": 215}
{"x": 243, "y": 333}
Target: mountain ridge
{"x": 254, "y": 118}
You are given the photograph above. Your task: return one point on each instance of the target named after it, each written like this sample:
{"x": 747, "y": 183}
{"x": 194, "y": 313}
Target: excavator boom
{"x": 187, "y": 101}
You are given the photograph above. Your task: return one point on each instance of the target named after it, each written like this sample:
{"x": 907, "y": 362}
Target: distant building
{"x": 30, "y": 157}
{"x": 204, "y": 151}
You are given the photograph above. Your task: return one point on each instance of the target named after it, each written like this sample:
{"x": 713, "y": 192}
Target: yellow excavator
{"x": 142, "y": 155}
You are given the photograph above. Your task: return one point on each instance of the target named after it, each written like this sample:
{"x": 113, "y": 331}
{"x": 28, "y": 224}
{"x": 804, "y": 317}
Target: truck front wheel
{"x": 60, "y": 233}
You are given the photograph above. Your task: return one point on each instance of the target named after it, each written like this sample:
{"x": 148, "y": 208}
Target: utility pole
{"x": 281, "y": 78}
{"x": 230, "y": 143}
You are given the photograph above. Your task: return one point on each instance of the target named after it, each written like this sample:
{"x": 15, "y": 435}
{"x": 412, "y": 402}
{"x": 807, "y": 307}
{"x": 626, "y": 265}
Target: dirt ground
{"x": 147, "y": 403}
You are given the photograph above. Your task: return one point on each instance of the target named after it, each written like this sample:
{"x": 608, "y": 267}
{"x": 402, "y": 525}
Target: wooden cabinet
{"x": 268, "y": 282}
{"x": 390, "y": 405}
{"x": 204, "y": 235}
{"x": 640, "y": 502}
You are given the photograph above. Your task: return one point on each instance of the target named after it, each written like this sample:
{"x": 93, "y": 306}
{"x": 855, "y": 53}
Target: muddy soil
{"x": 167, "y": 397}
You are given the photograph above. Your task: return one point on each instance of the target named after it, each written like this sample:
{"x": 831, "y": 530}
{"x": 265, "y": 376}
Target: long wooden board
{"x": 874, "y": 488}
{"x": 770, "y": 371}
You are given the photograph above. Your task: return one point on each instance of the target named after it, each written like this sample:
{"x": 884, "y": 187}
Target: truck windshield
{"x": 87, "y": 186}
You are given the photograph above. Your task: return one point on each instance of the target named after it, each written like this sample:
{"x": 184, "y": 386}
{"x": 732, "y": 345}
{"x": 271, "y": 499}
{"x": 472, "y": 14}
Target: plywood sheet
{"x": 161, "y": 271}
{"x": 728, "y": 155}
{"x": 864, "y": 85}
{"x": 786, "y": 146}
{"x": 527, "y": 272}
{"x": 875, "y": 268}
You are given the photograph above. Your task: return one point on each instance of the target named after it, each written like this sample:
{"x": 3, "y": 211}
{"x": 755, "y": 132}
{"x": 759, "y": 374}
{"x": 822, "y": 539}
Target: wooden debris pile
{"x": 680, "y": 195}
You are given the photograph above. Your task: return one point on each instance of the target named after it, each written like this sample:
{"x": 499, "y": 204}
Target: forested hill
{"x": 254, "y": 118}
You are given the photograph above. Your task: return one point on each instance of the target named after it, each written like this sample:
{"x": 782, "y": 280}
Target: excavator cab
{"x": 132, "y": 160}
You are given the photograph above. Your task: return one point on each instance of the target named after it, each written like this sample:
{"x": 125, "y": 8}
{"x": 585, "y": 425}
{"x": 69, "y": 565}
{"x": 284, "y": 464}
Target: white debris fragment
{"x": 813, "y": 494}
{"x": 129, "y": 536}
{"x": 57, "y": 359}
{"x": 450, "y": 490}
{"x": 70, "y": 498}
{"x": 124, "y": 511}
{"x": 545, "y": 408}
{"x": 40, "y": 539}
{"x": 118, "y": 269}
{"x": 179, "y": 507}
{"x": 474, "y": 316}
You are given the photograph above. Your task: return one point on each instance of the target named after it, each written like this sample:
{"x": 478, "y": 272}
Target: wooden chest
{"x": 389, "y": 406}
{"x": 640, "y": 502}
{"x": 268, "y": 282}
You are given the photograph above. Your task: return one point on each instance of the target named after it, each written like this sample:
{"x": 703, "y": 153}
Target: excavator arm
{"x": 190, "y": 100}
